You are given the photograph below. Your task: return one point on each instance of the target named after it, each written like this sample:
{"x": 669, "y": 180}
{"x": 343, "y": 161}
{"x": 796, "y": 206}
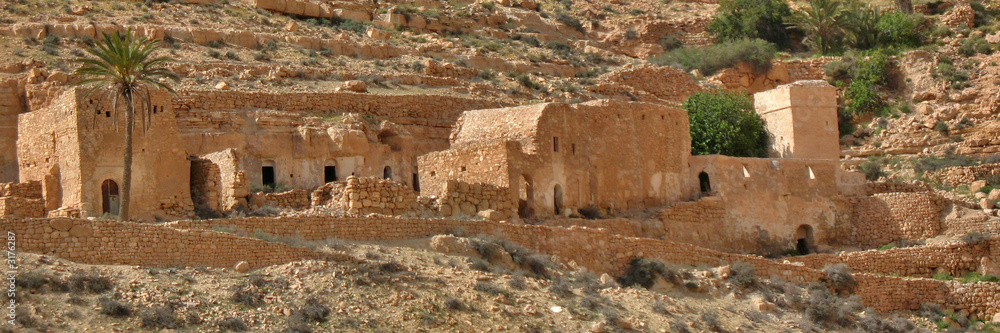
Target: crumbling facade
{"x": 558, "y": 158}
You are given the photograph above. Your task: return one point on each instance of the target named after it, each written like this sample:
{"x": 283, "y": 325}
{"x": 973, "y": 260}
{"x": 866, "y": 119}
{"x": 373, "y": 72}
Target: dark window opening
{"x": 573, "y": 146}
{"x": 802, "y": 246}
{"x": 387, "y": 173}
{"x": 267, "y": 176}
{"x": 416, "y": 182}
{"x": 705, "y": 183}
{"x": 329, "y": 174}
{"x": 555, "y": 144}
{"x": 107, "y": 114}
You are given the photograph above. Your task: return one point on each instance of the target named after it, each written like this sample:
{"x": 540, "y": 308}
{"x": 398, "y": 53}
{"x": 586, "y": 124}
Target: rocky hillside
{"x": 445, "y": 283}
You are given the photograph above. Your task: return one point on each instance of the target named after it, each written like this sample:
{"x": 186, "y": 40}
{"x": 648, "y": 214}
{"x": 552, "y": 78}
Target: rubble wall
{"x": 886, "y": 217}
{"x": 106, "y": 242}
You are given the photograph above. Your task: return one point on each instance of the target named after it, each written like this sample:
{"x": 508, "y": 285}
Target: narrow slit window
{"x": 555, "y": 144}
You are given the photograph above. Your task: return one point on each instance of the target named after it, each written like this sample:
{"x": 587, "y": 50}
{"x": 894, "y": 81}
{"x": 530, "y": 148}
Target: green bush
{"x": 725, "y": 123}
{"x": 902, "y": 30}
{"x": 864, "y": 93}
{"x": 749, "y": 19}
{"x": 755, "y": 52}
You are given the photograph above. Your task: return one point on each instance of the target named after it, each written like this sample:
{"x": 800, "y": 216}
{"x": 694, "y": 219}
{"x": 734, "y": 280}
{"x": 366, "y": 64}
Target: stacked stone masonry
{"x": 601, "y": 251}
{"x": 464, "y": 199}
{"x": 112, "y": 242}
{"x": 887, "y": 217}
{"x": 21, "y": 200}
{"x": 293, "y": 199}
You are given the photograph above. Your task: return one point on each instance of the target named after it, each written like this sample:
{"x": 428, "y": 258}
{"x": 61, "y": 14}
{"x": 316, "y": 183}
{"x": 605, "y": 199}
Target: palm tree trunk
{"x": 127, "y": 173}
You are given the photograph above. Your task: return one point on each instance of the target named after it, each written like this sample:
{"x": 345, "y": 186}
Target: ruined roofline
{"x": 521, "y": 123}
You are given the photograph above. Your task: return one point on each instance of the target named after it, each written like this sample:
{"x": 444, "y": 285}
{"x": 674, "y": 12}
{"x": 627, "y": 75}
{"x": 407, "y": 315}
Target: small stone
{"x": 222, "y": 85}
{"x": 292, "y": 26}
{"x": 242, "y": 267}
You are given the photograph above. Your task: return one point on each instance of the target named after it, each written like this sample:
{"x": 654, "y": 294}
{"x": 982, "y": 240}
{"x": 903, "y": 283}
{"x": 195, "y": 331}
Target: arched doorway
{"x": 109, "y": 197}
{"x": 525, "y": 197}
{"x": 557, "y": 199}
{"x": 387, "y": 172}
{"x": 804, "y": 239}
{"x": 705, "y": 183}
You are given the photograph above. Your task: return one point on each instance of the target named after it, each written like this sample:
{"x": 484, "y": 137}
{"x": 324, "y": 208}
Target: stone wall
{"x": 367, "y": 195}
{"x": 886, "y": 217}
{"x": 101, "y": 242}
{"x": 957, "y": 176}
{"x": 956, "y": 259}
{"x": 293, "y": 199}
{"x": 618, "y": 226}
{"x": 600, "y": 251}
{"x": 106, "y": 242}
{"x": 464, "y": 199}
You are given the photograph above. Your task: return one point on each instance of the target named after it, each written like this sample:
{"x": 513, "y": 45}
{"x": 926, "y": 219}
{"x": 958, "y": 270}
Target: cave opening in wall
{"x": 387, "y": 172}
{"x": 804, "y": 239}
{"x": 329, "y": 174}
{"x": 267, "y": 174}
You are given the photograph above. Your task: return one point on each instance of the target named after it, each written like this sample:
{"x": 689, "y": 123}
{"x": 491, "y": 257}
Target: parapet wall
{"x": 124, "y": 243}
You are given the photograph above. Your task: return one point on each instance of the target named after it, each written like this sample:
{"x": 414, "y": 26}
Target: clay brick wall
{"x": 111, "y": 242}
{"x": 886, "y": 217}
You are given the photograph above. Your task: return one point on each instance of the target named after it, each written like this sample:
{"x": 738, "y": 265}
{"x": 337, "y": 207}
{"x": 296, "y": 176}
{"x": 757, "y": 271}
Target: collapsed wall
{"x": 21, "y": 200}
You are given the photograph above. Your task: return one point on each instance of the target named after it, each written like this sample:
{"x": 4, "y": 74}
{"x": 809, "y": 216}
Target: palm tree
{"x": 822, "y": 23}
{"x": 125, "y": 70}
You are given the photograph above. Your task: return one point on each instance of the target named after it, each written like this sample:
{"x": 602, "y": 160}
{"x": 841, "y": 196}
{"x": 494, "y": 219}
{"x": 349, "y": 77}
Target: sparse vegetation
{"x": 756, "y": 53}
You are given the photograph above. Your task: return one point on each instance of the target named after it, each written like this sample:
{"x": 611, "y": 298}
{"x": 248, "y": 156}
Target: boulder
{"x": 988, "y": 267}
{"x": 355, "y": 86}
{"x": 994, "y": 194}
{"x": 986, "y": 203}
{"x": 977, "y": 185}
{"x": 292, "y": 26}
{"x": 242, "y": 267}
{"x": 222, "y": 85}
